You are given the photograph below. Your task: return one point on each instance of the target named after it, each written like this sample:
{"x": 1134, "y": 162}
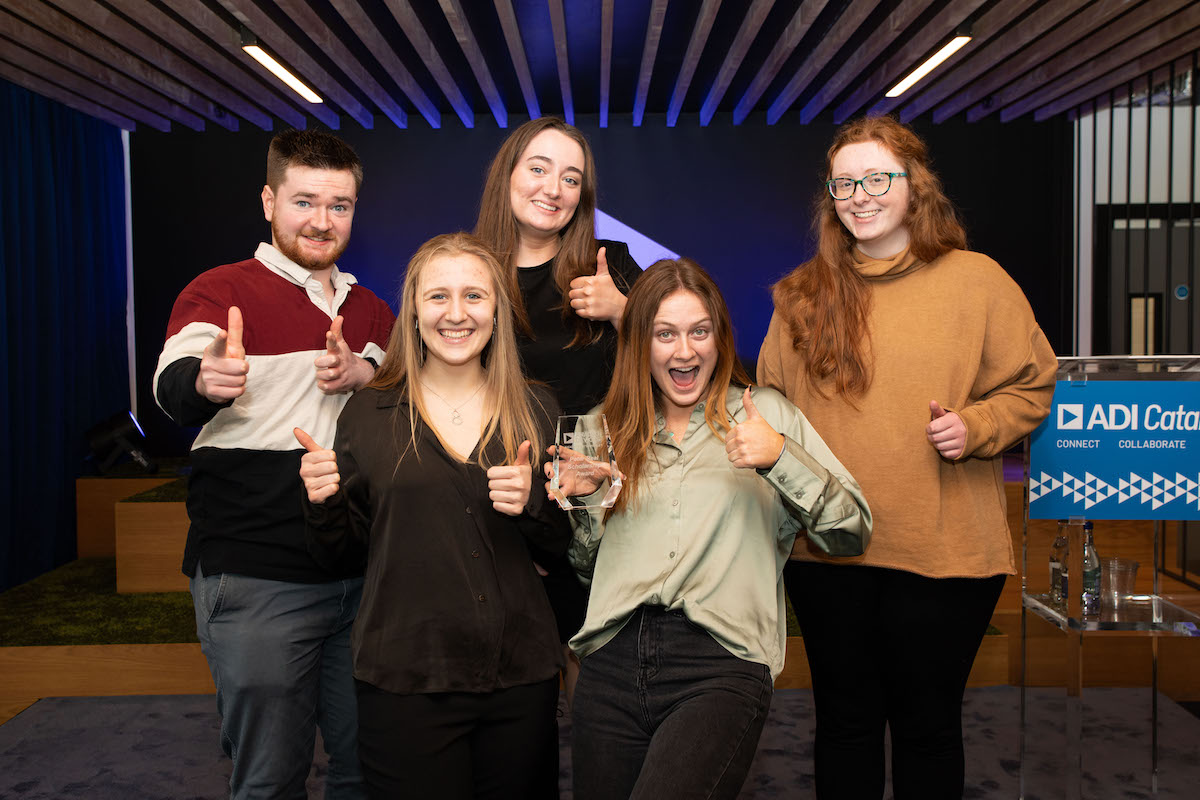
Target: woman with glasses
{"x": 920, "y": 363}
{"x": 455, "y": 656}
{"x": 685, "y": 625}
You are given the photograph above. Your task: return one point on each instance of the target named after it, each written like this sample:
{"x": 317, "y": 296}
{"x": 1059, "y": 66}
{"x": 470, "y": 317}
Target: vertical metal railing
{"x": 1121, "y": 288}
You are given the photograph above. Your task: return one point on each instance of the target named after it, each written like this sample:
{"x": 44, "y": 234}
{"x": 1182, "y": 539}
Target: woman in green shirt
{"x": 685, "y": 627}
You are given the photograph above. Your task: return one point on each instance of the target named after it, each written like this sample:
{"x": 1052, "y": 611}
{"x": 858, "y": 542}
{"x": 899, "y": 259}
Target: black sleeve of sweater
{"x": 178, "y": 397}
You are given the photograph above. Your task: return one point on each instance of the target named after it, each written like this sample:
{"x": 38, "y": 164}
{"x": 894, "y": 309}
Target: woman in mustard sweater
{"x": 920, "y": 363}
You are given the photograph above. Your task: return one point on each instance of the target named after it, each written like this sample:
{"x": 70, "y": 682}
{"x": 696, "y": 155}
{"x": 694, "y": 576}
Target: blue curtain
{"x": 65, "y": 364}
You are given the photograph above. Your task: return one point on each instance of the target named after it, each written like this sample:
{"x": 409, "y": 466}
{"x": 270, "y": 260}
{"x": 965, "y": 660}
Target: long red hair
{"x": 824, "y": 301}
{"x": 633, "y": 396}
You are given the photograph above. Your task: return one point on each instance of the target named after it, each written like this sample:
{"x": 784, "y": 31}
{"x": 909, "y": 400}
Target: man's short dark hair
{"x": 316, "y": 149}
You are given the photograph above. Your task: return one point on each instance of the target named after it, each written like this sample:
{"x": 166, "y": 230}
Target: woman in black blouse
{"x": 537, "y": 212}
{"x": 455, "y": 655}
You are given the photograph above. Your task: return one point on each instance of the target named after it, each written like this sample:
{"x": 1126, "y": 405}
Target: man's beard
{"x": 290, "y": 247}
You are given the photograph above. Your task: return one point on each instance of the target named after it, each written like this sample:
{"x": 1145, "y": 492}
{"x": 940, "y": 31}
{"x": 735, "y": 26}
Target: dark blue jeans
{"x": 662, "y": 711}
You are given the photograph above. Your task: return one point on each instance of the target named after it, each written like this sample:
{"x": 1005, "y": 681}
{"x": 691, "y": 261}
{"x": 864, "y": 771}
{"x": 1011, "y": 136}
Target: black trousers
{"x": 459, "y": 745}
{"x": 664, "y": 711}
{"x": 893, "y": 648}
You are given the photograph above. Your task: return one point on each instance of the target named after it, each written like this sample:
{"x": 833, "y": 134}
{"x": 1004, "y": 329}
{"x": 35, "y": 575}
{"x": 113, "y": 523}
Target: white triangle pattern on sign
{"x": 1091, "y": 490}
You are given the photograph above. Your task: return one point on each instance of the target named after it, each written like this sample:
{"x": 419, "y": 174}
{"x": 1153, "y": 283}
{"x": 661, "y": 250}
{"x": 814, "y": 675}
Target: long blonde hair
{"x": 507, "y": 401}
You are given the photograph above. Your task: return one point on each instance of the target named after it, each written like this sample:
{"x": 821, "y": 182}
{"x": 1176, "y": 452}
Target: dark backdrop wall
{"x": 736, "y": 199}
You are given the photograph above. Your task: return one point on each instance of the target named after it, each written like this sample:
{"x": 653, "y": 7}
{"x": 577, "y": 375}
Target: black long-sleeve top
{"x": 579, "y": 376}
{"x": 451, "y": 600}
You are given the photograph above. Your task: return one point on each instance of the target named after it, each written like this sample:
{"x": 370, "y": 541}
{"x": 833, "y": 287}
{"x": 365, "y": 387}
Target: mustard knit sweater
{"x": 957, "y": 330}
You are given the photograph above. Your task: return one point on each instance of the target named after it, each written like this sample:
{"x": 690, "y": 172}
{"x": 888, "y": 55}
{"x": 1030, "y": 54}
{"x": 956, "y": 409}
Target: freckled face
{"x": 545, "y": 185}
{"x": 683, "y": 351}
{"x": 310, "y": 214}
{"x": 456, "y": 303}
{"x": 876, "y": 222}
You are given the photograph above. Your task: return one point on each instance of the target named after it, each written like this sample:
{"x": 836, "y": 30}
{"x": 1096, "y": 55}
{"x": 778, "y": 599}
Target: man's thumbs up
{"x": 338, "y": 369}
{"x": 318, "y": 469}
{"x": 333, "y": 338}
{"x": 753, "y": 443}
{"x": 223, "y": 367}
{"x": 233, "y": 346}
{"x": 508, "y": 486}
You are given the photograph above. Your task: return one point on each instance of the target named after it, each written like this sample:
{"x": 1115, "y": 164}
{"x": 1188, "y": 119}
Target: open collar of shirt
{"x": 665, "y": 437}
{"x": 289, "y": 270}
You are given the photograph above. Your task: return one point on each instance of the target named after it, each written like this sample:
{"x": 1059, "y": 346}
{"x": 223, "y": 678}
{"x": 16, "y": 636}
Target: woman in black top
{"x": 455, "y": 655}
{"x": 537, "y": 213}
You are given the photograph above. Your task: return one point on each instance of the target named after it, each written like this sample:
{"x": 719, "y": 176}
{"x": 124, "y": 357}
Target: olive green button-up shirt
{"x": 709, "y": 539}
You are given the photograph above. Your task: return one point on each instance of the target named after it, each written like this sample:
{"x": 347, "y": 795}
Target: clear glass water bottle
{"x": 1091, "y": 573}
{"x": 1058, "y": 564}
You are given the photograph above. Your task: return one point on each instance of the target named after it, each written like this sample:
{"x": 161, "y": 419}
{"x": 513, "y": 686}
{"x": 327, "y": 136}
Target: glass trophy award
{"x": 584, "y": 463}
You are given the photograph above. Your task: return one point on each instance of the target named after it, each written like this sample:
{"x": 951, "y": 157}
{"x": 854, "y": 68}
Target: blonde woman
{"x": 455, "y": 653}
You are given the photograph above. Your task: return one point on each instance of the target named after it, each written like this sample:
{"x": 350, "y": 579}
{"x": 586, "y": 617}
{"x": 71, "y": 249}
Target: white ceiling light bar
{"x": 251, "y": 48}
{"x": 929, "y": 66}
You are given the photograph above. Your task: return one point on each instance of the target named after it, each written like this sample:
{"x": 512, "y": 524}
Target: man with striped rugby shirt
{"x": 254, "y": 349}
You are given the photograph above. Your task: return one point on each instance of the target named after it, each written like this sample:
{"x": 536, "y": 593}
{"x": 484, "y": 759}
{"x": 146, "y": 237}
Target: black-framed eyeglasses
{"x": 875, "y": 184}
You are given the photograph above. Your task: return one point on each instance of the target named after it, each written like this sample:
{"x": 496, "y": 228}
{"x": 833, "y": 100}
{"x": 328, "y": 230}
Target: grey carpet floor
{"x": 151, "y": 747}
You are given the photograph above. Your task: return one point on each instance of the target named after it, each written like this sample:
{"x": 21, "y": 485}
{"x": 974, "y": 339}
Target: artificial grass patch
{"x": 173, "y": 492}
{"x": 78, "y": 604}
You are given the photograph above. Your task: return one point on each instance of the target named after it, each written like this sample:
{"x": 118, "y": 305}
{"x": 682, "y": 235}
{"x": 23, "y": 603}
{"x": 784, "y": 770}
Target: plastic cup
{"x": 1117, "y": 577}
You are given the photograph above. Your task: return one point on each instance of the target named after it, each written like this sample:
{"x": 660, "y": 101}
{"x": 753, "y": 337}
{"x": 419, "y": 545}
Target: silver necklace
{"x": 455, "y": 417}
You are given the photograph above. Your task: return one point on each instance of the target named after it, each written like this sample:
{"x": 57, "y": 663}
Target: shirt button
{"x": 474, "y": 554}
{"x": 483, "y": 598}
{"x": 468, "y": 509}
{"x": 675, "y": 502}
{"x": 653, "y": 599}
{"x": 672, "y": 554}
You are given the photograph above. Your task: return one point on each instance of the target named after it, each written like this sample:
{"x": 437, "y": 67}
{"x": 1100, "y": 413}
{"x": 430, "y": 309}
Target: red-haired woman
{"x": 685, "y": 627}
{"x": 920, "y": 363}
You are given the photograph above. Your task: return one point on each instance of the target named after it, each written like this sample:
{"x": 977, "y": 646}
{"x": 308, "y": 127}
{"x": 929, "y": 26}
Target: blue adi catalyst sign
{"x": 1118, "y": 450}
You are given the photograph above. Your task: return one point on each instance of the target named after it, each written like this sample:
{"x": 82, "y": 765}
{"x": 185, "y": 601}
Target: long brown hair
{"x": 824, "y": 301}
{"x": 633, "y": 396}
{"x": 577, "y": 250}
{"x": 507, "y": 403}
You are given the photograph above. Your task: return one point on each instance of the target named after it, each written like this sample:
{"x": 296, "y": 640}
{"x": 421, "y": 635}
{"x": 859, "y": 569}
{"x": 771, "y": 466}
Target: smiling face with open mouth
{"x": 876, "y": 222}
{"x": 456, "y": 303}
{"x": 545, "y": 185}
{"x": 683, "y": 352}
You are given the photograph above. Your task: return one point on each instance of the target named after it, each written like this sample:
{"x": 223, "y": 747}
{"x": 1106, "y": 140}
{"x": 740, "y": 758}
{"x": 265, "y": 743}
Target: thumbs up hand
{"x": 753, "y": 444}
{"x": 946, "y": 431}
{"x": 508, "y": 487}
{"x": 223, "y": 365}
{"x": 597, "y": 297}
{"x": 338, "y": 369}
{"x": 318, "y": 469}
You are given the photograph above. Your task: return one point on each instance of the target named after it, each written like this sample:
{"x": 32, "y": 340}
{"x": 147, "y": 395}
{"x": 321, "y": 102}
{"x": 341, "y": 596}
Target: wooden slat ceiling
{"x": 170, "y": 64}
